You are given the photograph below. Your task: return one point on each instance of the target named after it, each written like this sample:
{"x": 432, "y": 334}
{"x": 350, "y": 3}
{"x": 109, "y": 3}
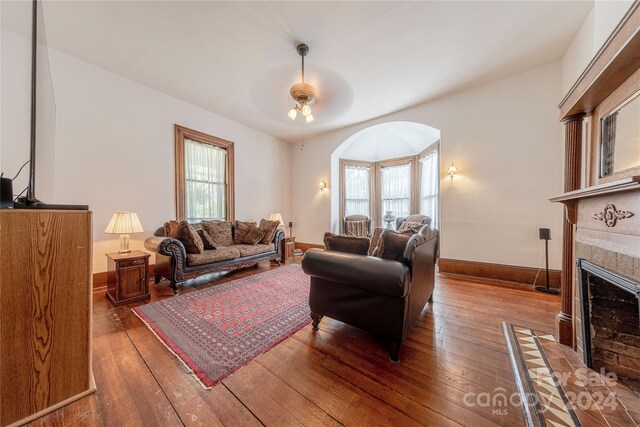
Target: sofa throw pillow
{"x": 189, "y": 237}
{"x": 169, "y": 226}
{"x": 240, "y": 230}
{"x": 253, "y": 236}
{"x": 207, "y": 241}
{"x": 269, "y": 228}
{"x": 391, "y": 245}
{"x": 410, "y": 226}
{"x": 375, "y": 239}
{"x": 219, "y": 231}
{"x": 348, "y": 244}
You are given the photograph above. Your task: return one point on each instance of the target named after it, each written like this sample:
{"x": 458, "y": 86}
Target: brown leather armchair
{"x": 380, "y": 296}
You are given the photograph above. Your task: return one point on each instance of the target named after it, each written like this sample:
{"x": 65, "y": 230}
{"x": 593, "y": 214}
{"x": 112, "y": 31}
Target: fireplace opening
{"x": 610, "y": 307}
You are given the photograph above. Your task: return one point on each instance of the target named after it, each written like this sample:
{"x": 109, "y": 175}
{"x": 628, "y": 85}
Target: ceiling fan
{"x": 303, "y": 93}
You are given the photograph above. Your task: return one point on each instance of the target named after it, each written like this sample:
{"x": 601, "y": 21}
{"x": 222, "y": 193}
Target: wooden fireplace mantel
{"x": 570, "y": 198}
{"x": 626, "y": 184}
{"x": 613, "y": 66}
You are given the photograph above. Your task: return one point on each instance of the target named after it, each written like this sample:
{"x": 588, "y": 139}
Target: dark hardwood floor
{"x": 337, "y": 376}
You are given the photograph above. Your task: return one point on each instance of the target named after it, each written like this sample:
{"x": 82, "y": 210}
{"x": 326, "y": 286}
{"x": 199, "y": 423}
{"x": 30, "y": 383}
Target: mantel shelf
{"x": 626, "y": 184}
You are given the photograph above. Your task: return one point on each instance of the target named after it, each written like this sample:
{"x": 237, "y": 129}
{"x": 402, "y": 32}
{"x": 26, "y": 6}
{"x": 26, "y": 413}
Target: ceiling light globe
{"x": 292, "y": 114}
{"x": 309, "y": 118}
{"x": 306, "y": 110}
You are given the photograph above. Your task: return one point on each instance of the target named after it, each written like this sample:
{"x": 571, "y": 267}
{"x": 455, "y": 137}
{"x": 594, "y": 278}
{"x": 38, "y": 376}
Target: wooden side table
{"x": 288, "y": 248}
{"x": 127, "y": 277}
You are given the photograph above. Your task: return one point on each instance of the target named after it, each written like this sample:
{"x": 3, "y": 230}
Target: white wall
{"x": 115, "y": 151}
{"x": 114, "y": 142}
{"x": 595, "y": 30}
{"x": 506, "y": 141}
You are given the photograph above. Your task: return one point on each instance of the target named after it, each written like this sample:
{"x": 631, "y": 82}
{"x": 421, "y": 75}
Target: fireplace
{"x": 610, "y": 306}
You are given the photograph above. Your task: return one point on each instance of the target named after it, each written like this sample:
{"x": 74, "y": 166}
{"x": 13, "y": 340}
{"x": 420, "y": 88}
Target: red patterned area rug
{"x": 216, "y": 331}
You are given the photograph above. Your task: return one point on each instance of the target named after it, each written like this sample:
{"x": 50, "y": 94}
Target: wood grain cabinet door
{"x": 290, "y": 250}
{"x": 132, "y": 281}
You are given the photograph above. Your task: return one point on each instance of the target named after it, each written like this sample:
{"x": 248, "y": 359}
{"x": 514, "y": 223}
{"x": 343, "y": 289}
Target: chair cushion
{"x": 412, "y": 226}
{"x": 188, "y": 236}
{"x": 348, "y": 244}
{"x": 357, "y": 228}
{"x": 269, "y": 228}
{"x": 219, "y": 231}
{"x": 222, "y": 253}
{"x": 249, "y": 250}
{"x": 392, "y": 244}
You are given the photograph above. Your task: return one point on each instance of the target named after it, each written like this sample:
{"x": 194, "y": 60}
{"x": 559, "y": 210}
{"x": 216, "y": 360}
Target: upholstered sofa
{"x": 176, "y": 265}
{"x": 382, "y": 296}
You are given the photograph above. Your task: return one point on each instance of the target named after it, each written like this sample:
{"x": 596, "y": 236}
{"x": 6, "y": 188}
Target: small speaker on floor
{"x": 545, "y": 234}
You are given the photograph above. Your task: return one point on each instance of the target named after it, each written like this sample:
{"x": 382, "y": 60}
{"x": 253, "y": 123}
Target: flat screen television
{"x": 41, "y": 128}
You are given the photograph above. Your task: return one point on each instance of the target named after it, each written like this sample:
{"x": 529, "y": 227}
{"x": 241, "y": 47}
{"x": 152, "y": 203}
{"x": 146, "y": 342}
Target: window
{"x": 357, "y": 190}
{"x": 204, "y": 176}
{"x": 395, "y": 189}
{"x": 405, "y": 186}
{"x": 371, "y": 188}
{"x": 429, "y": 173}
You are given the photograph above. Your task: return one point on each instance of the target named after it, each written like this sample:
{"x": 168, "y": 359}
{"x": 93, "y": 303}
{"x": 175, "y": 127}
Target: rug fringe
{"x": 187, "y": 368}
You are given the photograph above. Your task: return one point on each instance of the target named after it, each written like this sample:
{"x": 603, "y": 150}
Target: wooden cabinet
{"x": 288, "y": 248}
{"x": 45, "y": 311}
{"x": 127, "y": 277}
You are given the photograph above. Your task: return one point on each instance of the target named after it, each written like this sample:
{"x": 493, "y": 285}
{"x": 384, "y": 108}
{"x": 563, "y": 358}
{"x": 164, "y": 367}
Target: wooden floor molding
{"x": 339, "y": 375}
{"x": 510, "y": 273}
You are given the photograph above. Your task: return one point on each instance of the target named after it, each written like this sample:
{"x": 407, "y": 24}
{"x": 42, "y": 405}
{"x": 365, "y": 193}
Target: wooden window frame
{"x": 372, "y": 187}
{"x": 375, "y": 182}
{"x": 182, "y": 133}
{"x": 414, "y": 204}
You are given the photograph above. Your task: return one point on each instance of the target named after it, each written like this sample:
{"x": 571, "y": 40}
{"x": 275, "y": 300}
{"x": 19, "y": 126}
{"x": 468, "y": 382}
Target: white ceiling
{"x": 366, "y": 59}
{"x": 388, "y": 141}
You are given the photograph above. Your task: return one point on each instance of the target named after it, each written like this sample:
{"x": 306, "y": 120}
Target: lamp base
{"x": 546, "y": 290}
{"x": 124, "y": 244}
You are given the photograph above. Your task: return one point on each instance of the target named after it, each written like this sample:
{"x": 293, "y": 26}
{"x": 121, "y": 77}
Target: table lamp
{"x": 123, "y": 223}
{"x": 276, "y": 217}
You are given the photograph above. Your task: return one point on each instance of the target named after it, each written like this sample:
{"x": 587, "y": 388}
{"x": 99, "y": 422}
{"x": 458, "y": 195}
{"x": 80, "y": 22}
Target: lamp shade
{"x": 276, "y": 217}
{"x": 124, "y": 223}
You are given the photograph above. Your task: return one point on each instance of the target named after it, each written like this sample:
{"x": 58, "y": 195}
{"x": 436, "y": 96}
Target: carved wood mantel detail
{"x": 610, "y": 215}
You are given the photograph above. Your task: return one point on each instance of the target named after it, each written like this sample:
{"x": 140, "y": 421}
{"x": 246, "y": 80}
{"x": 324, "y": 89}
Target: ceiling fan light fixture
{"x": 303, "y": 93}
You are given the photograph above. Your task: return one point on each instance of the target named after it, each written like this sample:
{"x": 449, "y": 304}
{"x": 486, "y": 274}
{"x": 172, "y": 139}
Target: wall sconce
{"x": 452, "y": 171}
{"x": 323, "y": 185}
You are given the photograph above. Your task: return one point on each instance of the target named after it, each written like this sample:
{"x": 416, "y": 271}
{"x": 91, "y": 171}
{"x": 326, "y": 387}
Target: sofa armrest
{"x": 277, "y": 240}
{"x": 371, "y": 274}
{"x": 167, "y": 246}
